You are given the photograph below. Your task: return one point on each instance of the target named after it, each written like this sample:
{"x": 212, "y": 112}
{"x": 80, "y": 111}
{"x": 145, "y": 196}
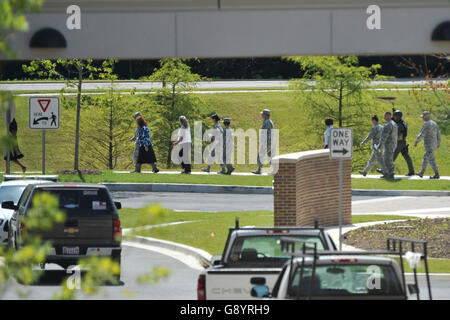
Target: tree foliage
{"x": 335, "y": 87}
{"x": 171, "y": 101}
{"x": 75, "y": 71}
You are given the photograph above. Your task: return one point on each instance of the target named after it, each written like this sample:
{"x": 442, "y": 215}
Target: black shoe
{"x": 156, "y": 170}
{"x": 379, "y": 171}
{"x": 230, "y": 170}
{"x": 435, "y": 177}
{"x": 135, "y": 171}
{"x": 409, "y": 174}
{"x": 362, "y": 172}
{"x": 206, "y": 170}
{"x": 222, "y": 172}
{"x": 257, "y": 171}
{"x": 187, "y": 172}
{"x": 420, "y": 174}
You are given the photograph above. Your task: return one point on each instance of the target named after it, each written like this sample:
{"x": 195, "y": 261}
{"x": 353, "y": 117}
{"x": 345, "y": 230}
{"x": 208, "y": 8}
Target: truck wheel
{"x": 118, "y": 260}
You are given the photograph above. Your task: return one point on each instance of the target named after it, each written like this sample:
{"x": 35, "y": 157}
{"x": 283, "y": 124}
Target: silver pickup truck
{"x": 252, "y": 252}
{"x": 362, "y": 275}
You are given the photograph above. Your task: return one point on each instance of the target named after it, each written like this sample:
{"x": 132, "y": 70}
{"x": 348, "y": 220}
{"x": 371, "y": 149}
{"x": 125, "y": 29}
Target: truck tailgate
{"x": 234, "y": 283}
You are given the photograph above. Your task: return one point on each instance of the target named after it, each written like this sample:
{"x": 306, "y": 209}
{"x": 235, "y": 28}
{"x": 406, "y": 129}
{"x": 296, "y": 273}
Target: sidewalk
{"x": 377, "y": 176}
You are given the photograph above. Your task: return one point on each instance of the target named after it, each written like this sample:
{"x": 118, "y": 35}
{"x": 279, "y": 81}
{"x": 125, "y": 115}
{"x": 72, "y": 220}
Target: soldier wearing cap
{"x": 388, "y": 141}
{"x": 228, "y": 145}
{"x": 217, "y": 132}
{"x": 377, "y": 154}
{"x": 137, "y": 166}
{"x": 402, "y": 147}
{"x": 431, "y": 136}
{"x": 265, "y": 140}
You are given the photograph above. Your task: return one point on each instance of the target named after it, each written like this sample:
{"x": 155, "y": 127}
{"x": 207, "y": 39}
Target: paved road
{"x": 418, "y": 206}
{"x": 181, "y": 284}
{"x": 54, "y": 86}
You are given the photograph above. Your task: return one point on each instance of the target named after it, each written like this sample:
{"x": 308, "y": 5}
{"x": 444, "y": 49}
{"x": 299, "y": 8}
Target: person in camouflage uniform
{"x": 265, "y": 142}
{"x": 137, "y": 166}
{"x": 228, "y": 145}
{"x": 402, "y": 147}
{"x": 388, "y": 141}
{"x": 218, "y": 131}
{"x": 376, "y": 155}
{"x": 431, "y": 136}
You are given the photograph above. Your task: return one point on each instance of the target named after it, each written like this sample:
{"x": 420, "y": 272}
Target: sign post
{"x": 43, "y": 115}
{"x": 341, "y": 147}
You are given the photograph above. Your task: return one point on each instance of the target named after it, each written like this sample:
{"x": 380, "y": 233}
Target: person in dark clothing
{"x": 402, "y": 147}
{"x": 15, "y": 154}
{"x": 146, "y": 153}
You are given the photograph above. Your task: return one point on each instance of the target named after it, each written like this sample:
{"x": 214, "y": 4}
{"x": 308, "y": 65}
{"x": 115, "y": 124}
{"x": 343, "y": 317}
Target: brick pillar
{"x": 306, "y": 187}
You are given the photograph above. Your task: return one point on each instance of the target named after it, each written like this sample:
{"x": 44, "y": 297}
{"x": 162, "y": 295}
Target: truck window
{"x": 263, "y": 250}
{"x": 85, "y": 201}
{"x": 346, "y": 280}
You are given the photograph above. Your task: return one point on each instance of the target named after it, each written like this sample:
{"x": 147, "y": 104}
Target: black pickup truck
{"x": 92, "y": 225}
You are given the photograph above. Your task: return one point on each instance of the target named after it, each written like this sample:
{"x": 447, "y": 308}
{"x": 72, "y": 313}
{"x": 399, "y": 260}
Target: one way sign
{"x": 341, "y": 143}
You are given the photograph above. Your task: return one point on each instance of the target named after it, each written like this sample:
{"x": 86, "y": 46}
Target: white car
{"x": 11, "y": 191}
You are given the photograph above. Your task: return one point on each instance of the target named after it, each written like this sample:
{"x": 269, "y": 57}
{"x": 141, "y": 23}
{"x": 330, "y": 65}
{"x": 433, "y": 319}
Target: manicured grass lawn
{"x": 108, "y": 176}
{"x": 434, "y": 266}
{"x": 243, "y": 108}
{"x": 208, "y": 230}
{"x": 403, "y": 184}
{"x": 171, "y": 178}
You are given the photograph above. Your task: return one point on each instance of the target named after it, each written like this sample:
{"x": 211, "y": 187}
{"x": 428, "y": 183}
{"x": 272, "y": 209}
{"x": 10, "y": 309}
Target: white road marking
{"x": 416, "y": 212}
{"x": 184, "y": 258}
{"x": 380, "y": 199}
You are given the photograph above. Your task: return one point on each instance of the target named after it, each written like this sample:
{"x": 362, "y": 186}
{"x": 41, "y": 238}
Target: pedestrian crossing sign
{"x": 341, "y": 143}
{"x": 44, "y": 113}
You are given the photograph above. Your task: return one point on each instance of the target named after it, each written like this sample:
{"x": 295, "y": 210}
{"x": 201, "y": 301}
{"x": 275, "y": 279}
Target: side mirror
{"x": 118, "y": 205}
{"x": 412, "y": 288}
{"x": 9, "y": 205}
{"x": 216, "y": 260}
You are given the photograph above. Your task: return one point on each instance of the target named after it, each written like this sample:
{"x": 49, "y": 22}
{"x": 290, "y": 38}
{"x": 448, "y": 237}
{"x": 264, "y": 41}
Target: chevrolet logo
{"x": 71, "y": 230}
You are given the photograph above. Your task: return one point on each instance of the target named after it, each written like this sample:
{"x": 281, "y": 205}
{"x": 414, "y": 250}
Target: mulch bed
{"x": 435, "y": 231}
{"x": 82, "y": 171}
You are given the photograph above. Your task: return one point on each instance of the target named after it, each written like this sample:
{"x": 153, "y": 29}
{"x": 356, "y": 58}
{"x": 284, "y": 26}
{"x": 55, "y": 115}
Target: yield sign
{"x": 44, "y": 103}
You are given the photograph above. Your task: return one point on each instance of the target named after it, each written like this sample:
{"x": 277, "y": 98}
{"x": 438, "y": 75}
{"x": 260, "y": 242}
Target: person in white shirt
{"x": 184, "y": 140}
{"x": 329, "y": 124}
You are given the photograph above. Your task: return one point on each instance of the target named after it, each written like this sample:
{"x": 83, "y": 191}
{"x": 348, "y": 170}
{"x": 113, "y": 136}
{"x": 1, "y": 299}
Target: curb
{"x": 203, "y": 257}
{"x": 394, "y": 193}
{"x": 196, "y": 188}
{"x": 212, "y": 188}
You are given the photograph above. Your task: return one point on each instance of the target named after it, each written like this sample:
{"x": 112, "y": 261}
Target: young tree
{"x": 434, "y": 96}
{"x": 74, "y": 72}
{"x": 335, "y": 86}
{"x": 172, "y": 101}
{"x": 106, "y": 131}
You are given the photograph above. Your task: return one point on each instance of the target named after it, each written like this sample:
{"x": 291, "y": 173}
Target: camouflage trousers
{"x": 388, "y": 162}
{"x": 376, "y": 156}
{"x": 429, "y": 159}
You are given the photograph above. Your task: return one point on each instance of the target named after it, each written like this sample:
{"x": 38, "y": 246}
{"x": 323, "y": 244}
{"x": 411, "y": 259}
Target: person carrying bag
{"x": 146, "y": 152}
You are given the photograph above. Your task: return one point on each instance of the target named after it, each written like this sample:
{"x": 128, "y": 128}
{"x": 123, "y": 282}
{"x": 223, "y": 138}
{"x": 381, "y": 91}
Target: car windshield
{"x": 81, "y": 200}
{"x": 345, "y": 280}
{"x": 11, "y": 193}
{"x": 264, "y": 249}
